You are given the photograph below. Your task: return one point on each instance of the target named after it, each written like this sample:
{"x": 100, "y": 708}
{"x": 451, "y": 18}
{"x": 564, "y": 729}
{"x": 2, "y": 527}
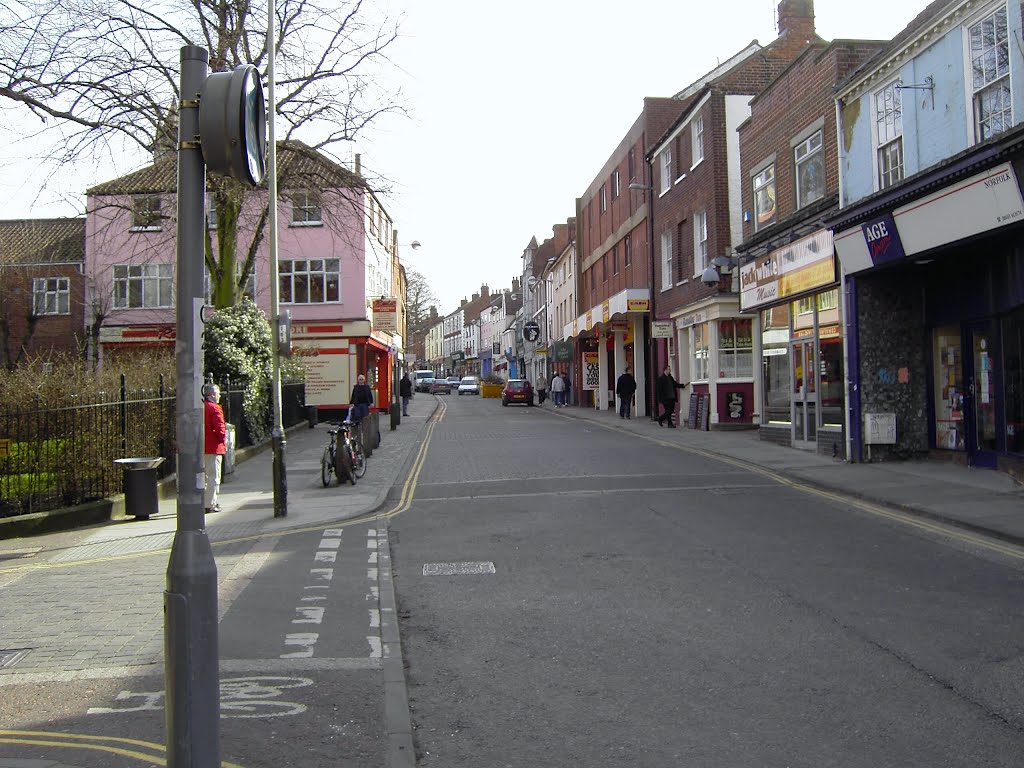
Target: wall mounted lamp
{"x": 713, "y": 272}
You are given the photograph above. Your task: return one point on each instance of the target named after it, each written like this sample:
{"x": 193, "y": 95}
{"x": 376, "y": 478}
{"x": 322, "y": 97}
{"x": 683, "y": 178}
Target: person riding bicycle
{"x": 361, "y": 400}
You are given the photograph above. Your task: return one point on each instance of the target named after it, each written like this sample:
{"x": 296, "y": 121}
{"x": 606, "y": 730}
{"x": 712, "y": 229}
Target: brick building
{"x": 42, "y": 288}
{"x": 696, "y": 219}
{"x": 789, "y": 281}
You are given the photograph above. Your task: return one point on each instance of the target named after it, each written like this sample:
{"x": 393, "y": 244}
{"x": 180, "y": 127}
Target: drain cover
{"x": 457, "y": 569}
{"x": 10, "y": 657}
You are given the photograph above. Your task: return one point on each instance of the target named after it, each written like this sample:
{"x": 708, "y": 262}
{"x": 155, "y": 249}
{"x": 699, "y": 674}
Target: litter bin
{"x": 227, "y": 465}
{"x": 365, "y": 425}
{"x": 140, "y": 491}
{"x": 375, "y": 430}
{"x": 311, "y": 415}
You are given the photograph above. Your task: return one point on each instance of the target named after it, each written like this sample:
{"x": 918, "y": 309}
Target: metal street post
{"x": 278, "y": 441}
{"x": 191, "y": 674}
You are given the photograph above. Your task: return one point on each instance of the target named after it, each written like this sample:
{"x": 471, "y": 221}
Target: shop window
{"x": 735, "y": 349}
{"x": 1013, "y": 385}
{"x": 775, "y": 364}
{"x": 948, "y": 388}
{"x": 700, "y": 346}
{"x": 830, "y": 376}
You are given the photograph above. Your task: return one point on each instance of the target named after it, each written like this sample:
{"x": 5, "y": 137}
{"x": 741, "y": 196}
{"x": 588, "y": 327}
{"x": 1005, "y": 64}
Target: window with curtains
{"x": 143, "y": 286}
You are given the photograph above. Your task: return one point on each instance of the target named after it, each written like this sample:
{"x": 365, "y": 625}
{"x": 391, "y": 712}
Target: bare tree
{"x": 419, "y": 298}
{"x": 105, "y": 74}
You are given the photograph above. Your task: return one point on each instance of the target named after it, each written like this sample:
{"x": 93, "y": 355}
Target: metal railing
{"x": 60, "y": 455}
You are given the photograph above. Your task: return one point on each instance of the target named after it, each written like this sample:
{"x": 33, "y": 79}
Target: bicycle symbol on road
{"x": 240, "y": 698}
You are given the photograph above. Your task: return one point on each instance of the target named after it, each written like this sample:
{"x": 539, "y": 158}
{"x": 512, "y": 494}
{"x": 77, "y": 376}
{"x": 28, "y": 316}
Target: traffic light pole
{"x": 191, "y": 673}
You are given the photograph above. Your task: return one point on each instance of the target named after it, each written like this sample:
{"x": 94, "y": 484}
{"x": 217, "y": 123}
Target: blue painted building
{"x": 929, "y": 233}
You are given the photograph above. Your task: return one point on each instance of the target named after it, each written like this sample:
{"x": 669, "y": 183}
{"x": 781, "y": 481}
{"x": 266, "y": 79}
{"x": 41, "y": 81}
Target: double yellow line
{"x": 409, "y": 488}
{"x": 156, "y": 754}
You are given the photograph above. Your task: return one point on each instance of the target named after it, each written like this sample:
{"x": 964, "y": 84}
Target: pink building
{"x": 337, "y": 259}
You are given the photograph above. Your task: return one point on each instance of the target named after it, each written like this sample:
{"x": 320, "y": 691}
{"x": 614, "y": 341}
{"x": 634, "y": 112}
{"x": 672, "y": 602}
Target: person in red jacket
{"x": 214, "y": 445}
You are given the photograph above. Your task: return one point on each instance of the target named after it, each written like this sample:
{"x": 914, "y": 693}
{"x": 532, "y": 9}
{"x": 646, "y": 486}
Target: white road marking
{"x": 329, "y": 543}
{"x": 323, "y": 556}
{"x": 374, "y": 618}
{"x": 309, "y": 615}
{"x": 323, "y": 574}
{"x": 304, "y": 640}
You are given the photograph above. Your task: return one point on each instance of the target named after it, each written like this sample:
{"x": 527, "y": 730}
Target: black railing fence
{"x": 55, "y": 456}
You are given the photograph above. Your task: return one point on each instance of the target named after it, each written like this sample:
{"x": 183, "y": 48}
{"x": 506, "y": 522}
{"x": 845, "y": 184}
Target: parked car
{"x": 470, "y": 385}
{"x": 517, "y": 391}
{"x": 440, "y": 387}
{"x": 422, "y": 380}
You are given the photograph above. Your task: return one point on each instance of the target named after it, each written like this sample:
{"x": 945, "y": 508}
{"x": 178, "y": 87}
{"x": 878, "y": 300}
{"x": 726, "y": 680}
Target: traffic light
{"x": 233, "y": 124}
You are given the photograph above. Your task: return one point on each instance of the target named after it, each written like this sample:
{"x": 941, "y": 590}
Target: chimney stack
{"x": 796, "y": 17}
{"x": 485, "y": 291}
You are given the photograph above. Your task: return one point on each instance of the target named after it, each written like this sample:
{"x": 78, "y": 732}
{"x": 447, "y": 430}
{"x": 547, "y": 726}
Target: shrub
{"x": 236, "y": 346}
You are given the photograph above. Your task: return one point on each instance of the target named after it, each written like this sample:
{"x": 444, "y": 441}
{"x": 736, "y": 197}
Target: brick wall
{"x": 24, "y": 336}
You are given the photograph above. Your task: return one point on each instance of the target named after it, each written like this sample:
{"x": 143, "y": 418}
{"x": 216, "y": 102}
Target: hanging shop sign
{"x": 638, "y": 305}
{"x": 531, "y": 331}
{"x": 385, "y": 315}
{"x": 661, "y": 329}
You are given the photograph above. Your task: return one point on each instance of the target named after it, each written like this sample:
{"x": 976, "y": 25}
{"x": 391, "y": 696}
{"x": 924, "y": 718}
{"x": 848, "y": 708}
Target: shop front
{"x": 333, "y": 354}
{"x": 712, "y": 347}
{"x": 794, "y": 293}
{"x": 609, "y": 337}
{"x": 946, "y": 262}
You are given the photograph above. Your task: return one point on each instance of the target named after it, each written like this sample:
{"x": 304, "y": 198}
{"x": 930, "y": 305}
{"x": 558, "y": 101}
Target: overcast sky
{"x": 513, "y": 114}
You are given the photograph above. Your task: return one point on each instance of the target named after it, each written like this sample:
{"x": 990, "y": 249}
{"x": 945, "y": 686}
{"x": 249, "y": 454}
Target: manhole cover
{"x": 10, "y": 657}
{"x": 457, "y": 569}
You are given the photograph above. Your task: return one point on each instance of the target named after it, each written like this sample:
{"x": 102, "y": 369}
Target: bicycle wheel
{"x": 343, "y": 464}
{"x": 359, "y": 462}
{"x": 326, "y": 467}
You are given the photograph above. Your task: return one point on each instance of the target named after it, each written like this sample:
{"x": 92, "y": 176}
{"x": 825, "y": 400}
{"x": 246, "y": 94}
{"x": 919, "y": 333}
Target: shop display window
{"x": 949, "y": 388}
{"x": 830, "y": 376}
{"x": 735, "y": 348}
{"x": 1013, "y": 382}
{"x": 775, "y": 364}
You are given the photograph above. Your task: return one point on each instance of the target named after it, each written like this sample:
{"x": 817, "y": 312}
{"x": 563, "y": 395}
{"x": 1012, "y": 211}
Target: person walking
{"x": 666, "y": 390}
{"x": 542, "y": 390}
{"x": 558, "y": 390}
{"x": 624, "y": 388}
{"x": 215, "y": 435}
{"x": 361, "y": 400}
{"x": 405, "y": 392}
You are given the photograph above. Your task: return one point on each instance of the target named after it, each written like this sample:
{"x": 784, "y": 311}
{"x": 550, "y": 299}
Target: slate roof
{"x": 298, "y": 167}
{"x": 42, "y": 241}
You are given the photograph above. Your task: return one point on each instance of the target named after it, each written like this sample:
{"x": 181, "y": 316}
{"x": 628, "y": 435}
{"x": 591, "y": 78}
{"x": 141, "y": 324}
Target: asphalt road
{"x": 653, "y": 607}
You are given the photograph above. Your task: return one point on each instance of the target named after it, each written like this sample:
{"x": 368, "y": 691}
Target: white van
{"x": 421, "y": 380}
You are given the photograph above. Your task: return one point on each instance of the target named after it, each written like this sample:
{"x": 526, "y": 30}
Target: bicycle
{"x": 348, "y": 463}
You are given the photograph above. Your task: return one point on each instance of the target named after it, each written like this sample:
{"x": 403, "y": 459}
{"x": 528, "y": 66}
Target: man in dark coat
{"x": 405, "y": 392}
{"x": 624, "y": 388}
{"x": 362, "y": 398}
{"x": 665, "y": 389}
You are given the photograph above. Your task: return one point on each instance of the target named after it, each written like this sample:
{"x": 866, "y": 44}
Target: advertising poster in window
{"x": 591, "y": 371}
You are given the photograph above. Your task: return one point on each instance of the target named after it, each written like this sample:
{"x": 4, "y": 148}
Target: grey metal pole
{"x": 278, "y": 442}
{"x": 191, "y": 675}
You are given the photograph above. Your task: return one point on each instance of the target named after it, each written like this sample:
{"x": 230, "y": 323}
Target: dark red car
{"x": 517, "y": 391}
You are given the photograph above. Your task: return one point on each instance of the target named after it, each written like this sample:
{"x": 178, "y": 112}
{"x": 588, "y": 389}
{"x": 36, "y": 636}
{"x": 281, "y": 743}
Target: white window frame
{"x": 666, "y": 260}
{"x": 51, "y": 296}
{"x": 700, "y": 242}
{"x": 154, "y": 284}
{"x": 888, "y": 136}
{"x": 666, "y": 170}
{"x": 697, "y": 139}
{"x": 700, "y": 354}
{"x": 810, "y": 154}
{"x": 290, "y": 273}
{"x": 616, "y": 189}
{"x": 602, "y": 199}
{"x": 990, "y": 81}
{"x": 735, "y": 362}
{"x": 762, "y": 179}
{"x": 147, "y": 217}
{"x": 307, "y": 209}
